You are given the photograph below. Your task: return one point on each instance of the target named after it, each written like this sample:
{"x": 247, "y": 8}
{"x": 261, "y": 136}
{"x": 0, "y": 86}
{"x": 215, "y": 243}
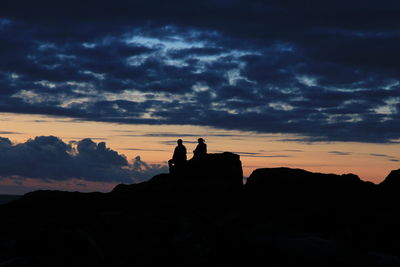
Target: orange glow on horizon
{"x": 155, "y": 144}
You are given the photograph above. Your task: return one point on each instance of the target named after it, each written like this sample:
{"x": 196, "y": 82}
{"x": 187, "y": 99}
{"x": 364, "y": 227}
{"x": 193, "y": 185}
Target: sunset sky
{"x": 94, "y": 94}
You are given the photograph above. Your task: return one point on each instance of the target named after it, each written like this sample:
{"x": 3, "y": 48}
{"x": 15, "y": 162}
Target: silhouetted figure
{"x": 201, "y": 149}
{"x": 178, "y": 160}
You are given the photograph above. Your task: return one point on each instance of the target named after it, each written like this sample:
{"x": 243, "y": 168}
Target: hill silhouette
{"x": 205, "y": 216}
{"x": 7, "y": 198}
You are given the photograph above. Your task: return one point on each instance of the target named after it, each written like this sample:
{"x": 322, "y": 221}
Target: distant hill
{"x": 7, "y": 198}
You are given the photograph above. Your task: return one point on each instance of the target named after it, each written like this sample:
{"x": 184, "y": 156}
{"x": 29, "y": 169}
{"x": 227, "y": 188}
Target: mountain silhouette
{"x": 205, "y": 216}
{"x": 392, "y": 181}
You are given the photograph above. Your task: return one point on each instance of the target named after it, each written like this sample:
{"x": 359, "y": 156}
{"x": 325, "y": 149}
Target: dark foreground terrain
{"x": 204, "y": 216}
{"x": 8, "y": 198}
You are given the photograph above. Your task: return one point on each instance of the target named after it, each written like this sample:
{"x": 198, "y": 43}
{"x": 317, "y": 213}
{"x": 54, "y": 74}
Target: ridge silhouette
{"x": 208, "y": 217}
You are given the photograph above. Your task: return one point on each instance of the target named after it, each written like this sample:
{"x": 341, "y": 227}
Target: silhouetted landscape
{"x": 126, "y": 107}
{"x": 205, "y": 216}
{"x": 7, "y": 198}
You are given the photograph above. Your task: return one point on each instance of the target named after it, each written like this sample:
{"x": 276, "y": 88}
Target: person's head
{"x": 179, "y": 141}
{"x": 200, "y": 140}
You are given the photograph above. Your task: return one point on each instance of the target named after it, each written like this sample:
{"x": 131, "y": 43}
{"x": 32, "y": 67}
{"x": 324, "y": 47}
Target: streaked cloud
{"x": 340, "y": 153}
{"x": 8, "y": 132}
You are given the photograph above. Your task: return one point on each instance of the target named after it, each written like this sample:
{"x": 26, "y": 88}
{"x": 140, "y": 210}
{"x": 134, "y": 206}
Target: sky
{"x": 96, "y": 93}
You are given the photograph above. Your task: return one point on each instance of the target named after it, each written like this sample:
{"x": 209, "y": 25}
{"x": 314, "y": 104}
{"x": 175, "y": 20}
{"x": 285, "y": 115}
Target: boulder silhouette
{"x": 222, "y": 170}
{"x": 392, "y": 181}
{"x": 298, "y": 180}
{"x": 213, "y": 171}
{"x": 280, "y": 188}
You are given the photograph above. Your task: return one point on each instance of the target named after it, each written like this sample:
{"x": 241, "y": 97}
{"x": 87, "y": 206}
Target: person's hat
{"x": 200, "y": 140}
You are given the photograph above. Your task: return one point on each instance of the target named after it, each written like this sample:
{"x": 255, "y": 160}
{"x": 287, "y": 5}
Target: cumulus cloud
{"x": 326, "y": 72}
{"x": 50, "y": 158}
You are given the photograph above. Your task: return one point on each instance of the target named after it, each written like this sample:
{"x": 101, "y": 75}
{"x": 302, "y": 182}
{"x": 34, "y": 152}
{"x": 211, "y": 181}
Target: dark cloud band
{"x": 324, "y": 72}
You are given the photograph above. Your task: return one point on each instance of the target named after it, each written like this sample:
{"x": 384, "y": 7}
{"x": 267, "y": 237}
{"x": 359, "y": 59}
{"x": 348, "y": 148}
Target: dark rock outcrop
{"x": 296, "y": 181}
{"x": 204, "y": 216}
{"x": 212, "y": 172}
{"x": 392, "y": 181}
{"x": 220, "y": 170}
{"x": 288, "y": 177}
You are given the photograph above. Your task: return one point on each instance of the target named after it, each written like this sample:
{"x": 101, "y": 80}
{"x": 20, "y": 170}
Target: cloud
{"x": 266, "y": 156}
{"x": 143, "y": 171}
{"x": 326, "y": 72}
{"x": 388, "y": 157}
{"x": 169, "y": 135}
{"x": 49, "y": 158}
{"x": 8, "y": 132}
{"x": 257, "y": 155}
{"x": 379, "y": 155}
{"x": 142, "y": 149}
{"x": 173, "y": 142}
{"x": 340, "y": 153}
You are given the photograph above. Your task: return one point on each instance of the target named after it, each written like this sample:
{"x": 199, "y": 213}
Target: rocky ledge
{"x": 205, "y": 216}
